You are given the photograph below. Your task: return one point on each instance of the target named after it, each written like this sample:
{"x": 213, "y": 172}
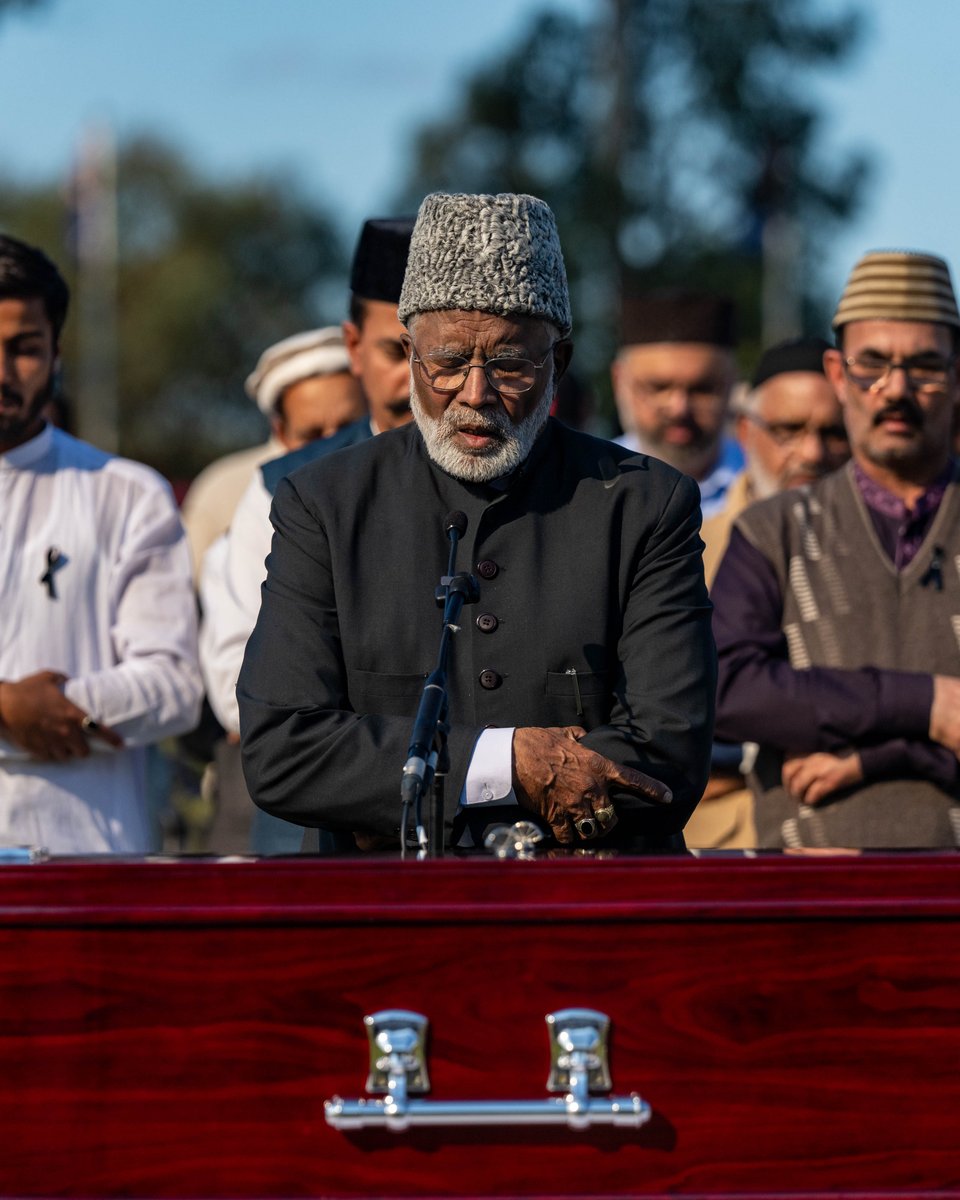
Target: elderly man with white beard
{"x": 581, "y": 683}
{"x": 790, "y": 427}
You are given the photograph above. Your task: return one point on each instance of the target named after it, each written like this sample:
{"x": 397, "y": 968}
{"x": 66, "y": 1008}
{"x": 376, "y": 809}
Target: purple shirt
{"x": 884, "y": 714}
{"x": 901, "y": 530}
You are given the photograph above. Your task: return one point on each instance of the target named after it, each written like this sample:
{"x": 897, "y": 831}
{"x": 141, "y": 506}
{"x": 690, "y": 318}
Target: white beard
{"x": 504, "y": 456}
{"x": 762, "y": 483}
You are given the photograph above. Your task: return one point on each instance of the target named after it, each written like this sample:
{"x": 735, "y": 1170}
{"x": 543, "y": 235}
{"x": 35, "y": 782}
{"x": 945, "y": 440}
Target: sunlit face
{"x": 897, "y": 427}
{"x": 27, "y": 359}
{"x": 475, "y": 432}
{"x": 317, "y": 407}
{"x": 379, "y": 361}
{"x": 675, "y": 396}
{"x": 793, "y": 432}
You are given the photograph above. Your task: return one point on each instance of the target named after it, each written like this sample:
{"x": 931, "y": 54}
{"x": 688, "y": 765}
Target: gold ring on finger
{"x": 606, "y": 816}
{"x": 587, "y": 827}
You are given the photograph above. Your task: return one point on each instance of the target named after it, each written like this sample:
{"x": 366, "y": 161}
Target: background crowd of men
{"x": 584, "y": 683}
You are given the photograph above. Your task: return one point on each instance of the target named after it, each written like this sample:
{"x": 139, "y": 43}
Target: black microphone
{"x": 454, "y": 526}
{"x": 421, "y": 740}
{"x": 455, "y": 522}
{"x": 434, "y": 690}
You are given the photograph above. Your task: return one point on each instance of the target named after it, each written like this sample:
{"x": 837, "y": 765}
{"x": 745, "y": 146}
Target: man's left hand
{"x": 811, "y": 778}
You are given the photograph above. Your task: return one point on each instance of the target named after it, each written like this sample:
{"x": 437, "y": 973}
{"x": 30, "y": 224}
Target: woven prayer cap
{"x": 898, "y": 285}
{"x": 497, "y": 254}
{"x": 315, "y": 352}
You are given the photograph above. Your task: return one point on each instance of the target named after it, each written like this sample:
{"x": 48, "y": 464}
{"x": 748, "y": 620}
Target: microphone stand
{"x": 428, "y": 759}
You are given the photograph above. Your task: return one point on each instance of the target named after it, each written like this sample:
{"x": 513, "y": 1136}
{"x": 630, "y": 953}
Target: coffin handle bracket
{"x": 398, "y": 1071}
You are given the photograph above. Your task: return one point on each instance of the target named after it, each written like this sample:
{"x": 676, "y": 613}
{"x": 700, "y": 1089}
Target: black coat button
{"x": 490, "y": 680}
{"x": 487, "y": 569}
{"x": 487, "y": 622}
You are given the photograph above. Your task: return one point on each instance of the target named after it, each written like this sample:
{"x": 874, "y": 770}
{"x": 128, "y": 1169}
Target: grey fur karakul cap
{"x": 497, "y": 254}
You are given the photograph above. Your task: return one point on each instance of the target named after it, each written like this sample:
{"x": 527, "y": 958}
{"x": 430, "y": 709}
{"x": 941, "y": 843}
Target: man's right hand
{"x": 945, "y": 712}
{"x": 563, "y": 781}
{"x": 38, "y": 717}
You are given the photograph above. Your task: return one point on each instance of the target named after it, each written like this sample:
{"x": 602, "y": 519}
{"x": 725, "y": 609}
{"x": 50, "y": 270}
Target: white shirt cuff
{"x": 490, "y": 774}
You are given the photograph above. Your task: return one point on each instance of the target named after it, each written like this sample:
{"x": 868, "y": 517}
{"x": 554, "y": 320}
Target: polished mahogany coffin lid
{"x": 174, "y": 1028}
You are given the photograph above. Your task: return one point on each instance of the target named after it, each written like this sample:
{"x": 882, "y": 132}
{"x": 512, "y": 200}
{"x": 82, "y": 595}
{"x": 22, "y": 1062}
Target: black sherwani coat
{"x": 589, "y": 562}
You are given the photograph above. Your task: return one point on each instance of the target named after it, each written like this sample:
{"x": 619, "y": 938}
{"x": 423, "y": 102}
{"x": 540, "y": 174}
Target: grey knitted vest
{"x": 845, "y": 605}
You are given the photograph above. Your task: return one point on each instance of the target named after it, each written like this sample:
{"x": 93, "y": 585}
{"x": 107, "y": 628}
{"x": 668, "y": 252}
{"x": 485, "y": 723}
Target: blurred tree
{"x": 677, "y": 143}
{"x": 208, "y": 275}
{"x": 12, "y": 6}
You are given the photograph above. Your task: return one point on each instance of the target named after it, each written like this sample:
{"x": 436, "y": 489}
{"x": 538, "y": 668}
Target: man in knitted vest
{"x": 837, "y": 605}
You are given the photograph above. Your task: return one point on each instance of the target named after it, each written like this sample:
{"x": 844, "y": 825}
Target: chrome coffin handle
{"x": 578, "y": 1069}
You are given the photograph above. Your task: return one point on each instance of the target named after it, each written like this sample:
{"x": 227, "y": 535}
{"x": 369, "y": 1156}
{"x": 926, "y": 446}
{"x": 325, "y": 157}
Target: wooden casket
{"x": 728, "y": 1026}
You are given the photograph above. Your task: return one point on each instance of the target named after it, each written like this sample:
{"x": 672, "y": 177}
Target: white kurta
{"x": 121, "y": 626}
{"x": 233, "y": 570}
{"x": 212, "y": 498}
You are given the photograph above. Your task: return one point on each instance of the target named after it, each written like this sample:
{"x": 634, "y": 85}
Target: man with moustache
{"x": 837, "y": 607}
{"x": 233, "y": 568}
{"x": 377, "y": 363}
{"x": 98, "y": 652}
{"x": 581, "y": 683}
{"x": 673, "y": 379}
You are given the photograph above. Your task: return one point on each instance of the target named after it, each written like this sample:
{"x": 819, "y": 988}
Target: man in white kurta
{"x": 98, "y": 652}
{"x": 234, "y": 565}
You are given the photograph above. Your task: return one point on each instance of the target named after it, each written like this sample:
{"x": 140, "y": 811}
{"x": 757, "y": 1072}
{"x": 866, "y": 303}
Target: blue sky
{"x": 332, "y": 92}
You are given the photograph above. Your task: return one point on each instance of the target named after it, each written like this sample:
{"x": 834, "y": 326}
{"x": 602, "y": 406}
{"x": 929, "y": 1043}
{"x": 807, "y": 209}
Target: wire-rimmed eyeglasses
{"x": 508, "y": 376}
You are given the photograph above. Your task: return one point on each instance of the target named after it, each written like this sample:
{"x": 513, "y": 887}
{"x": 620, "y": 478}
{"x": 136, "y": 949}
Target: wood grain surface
{"x": 173, "y": 1028}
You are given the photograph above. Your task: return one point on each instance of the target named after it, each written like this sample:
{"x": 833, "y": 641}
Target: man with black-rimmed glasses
{"x": 837, "y": 606}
